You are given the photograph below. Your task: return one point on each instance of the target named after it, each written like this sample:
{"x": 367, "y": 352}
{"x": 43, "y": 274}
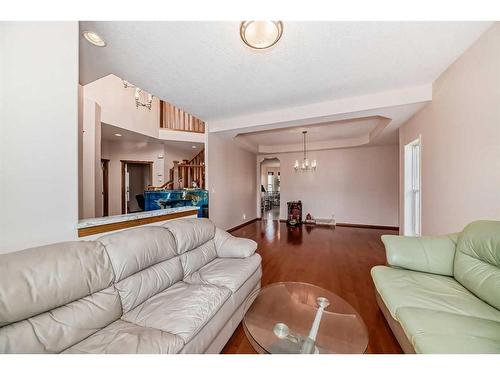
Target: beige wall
{"x": 176, "y": 154}
{"x": 118, "y": 106}
{"x": 460, "y": 132}
{"x": 90, "y": 193}
{"x": 232, "y": 182}
{"x": 38, "y": 133}
{"x": 357, "y": 185}
{"x": 116, "y": 151}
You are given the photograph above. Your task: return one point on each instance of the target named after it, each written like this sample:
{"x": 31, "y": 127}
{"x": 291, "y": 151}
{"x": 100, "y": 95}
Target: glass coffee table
{"x": 293, "y": 317}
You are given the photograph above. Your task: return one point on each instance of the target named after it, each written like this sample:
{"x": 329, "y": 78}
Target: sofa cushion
{"x": 182, "y": 309}
{"x": 123, "y": 337}
{"x": 190, "y": 233}
{"x": 43, "y": 278}
{"x": 227, "y": 272}
{"x": 144, "y": 284}
{"x": 433, "y": 331}
{"x": 402, "y": 288}
{"x": 432, "y": 254}
{"x": 62, "y": 327}
{"x": 194, "y": 259}
{"x": 135, "y": 249}
{"x": 145, "y": 261}
{"x": 54, "y": 296}
{"x": 229, "y": 246}
{"x": 477, "y": 261}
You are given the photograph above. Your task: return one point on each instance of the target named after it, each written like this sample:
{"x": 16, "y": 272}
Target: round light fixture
{"x": 118, "y": 135}
{"x": 261, "y": 34}
{"x": 94, "y": 38}
{"x": 193, "y": 146}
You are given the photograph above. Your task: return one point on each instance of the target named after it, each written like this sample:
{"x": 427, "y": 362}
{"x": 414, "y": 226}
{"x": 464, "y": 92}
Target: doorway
{"x": 105, "y": 186}
{"x": 270, "y": 178}
{"x": 136, "y": 177}
{"x": 412, "y": 183}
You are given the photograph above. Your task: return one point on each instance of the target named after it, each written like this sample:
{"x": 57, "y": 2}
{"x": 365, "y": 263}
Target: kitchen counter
{"x": 97, "y": 225}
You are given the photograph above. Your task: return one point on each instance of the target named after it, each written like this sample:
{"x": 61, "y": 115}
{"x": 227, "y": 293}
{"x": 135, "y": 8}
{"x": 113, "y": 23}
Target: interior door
{"x": 127, "y": 189}
{"x": 105, "y": 186}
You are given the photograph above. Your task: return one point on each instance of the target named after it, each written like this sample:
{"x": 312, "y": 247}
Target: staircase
{"x": 182, "y": 174}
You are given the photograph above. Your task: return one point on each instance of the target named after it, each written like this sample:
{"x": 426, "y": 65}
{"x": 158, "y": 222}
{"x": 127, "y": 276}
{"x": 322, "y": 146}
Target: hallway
{"x": 337, "y": 259}
{"x": 271, "y": 214}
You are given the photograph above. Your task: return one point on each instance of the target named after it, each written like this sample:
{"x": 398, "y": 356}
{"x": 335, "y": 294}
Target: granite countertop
{"x": 86, "y": 223}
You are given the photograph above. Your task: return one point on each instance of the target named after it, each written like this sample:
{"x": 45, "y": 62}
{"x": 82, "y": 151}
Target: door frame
{"x": 105, "y": 186}
{"x": 125, "y": 162}
{"x": 408, "y": 204}
{"x": 260, "y": 160}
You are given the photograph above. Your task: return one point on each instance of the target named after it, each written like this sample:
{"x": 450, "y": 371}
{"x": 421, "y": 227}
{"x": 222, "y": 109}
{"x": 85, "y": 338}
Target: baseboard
{"x": 369, "y": 226}
{"x": 242, "y": 225}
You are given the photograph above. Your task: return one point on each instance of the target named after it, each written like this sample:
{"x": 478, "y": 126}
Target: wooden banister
{"x": 174, "y": 118}
{"x": 182, "y": 174}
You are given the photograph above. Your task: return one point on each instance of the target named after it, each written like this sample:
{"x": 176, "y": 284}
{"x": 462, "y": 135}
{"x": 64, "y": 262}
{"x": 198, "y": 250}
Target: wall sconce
{"x": 139, "y": 102}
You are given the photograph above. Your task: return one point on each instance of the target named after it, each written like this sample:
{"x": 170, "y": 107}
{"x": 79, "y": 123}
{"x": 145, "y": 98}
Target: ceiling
{"x": 271, "y": 162}
{"x": 205, "y": 69}
{"x": 345, "y": 129}
{"x": 108, "y": 133}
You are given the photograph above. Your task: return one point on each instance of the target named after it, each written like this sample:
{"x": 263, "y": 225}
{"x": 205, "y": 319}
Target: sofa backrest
{"x": 54, "y": 296}
{"x": 477, "y": 260}
{"x": 148, "y": 260}
{"x": 145, "y": 263}
{"x": 195, "y": 242}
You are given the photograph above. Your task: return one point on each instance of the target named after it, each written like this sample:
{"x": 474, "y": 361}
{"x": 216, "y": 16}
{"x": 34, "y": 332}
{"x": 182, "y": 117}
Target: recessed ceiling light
{"x": 193, "y": 146}
{"x": 94, "y": 38}
{"x": 261, "y": 34}
{"x": 118, "y": 134}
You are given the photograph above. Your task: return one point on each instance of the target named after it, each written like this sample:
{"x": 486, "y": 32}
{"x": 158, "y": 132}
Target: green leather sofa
{"x": 441, "y": 294}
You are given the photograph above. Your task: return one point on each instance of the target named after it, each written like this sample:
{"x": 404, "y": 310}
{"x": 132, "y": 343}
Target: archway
{"x": 270, "y": 189}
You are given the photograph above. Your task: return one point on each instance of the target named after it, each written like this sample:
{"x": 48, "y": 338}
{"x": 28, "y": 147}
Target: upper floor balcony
{"x": 174, "y": 118}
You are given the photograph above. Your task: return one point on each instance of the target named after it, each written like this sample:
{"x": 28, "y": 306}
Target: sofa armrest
{"x": 228, "y": 246}
{"x": 432, "y": 254}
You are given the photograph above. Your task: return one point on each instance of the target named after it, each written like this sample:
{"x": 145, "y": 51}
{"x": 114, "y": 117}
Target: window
{"x": 270, "y": 182}
{"x": 412, "y": 197}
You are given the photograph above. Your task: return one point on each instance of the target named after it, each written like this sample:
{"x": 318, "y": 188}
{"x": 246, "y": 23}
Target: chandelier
{"x": 140, "y": 99}
{"x": 306, "y": 165}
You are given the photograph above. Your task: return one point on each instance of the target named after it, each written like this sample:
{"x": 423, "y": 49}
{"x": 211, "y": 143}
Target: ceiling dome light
{"x": 261, "y": 34}
{"x": 93, "y": 38}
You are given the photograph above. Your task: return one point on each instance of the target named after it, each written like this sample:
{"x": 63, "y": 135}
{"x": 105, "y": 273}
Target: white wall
{"x": 232, "y": 182}
{"x": 357, "y": 185}
{"x": 118, "y": 106}
{"x": 460, "y": 132}
{"x": 38, "y": 133}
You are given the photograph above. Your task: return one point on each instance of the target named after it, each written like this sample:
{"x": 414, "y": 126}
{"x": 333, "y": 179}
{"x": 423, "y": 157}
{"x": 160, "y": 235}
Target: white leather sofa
{"x": 176, "y": 288}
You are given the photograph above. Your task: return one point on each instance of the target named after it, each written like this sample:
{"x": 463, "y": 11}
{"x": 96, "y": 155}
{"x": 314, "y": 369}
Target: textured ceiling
{"x": 321, "y": 132}
{"x": 205, "y": 69}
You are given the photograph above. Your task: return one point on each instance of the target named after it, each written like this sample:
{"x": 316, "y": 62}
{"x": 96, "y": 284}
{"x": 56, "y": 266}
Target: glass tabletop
{"x": 281, "y": 318}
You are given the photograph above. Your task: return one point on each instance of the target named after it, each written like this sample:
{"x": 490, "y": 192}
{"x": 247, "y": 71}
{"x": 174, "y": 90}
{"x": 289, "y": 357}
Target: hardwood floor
{"x": 337, "y": 259}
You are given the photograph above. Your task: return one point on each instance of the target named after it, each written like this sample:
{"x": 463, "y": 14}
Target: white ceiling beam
{"x": 321, "y": 112}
